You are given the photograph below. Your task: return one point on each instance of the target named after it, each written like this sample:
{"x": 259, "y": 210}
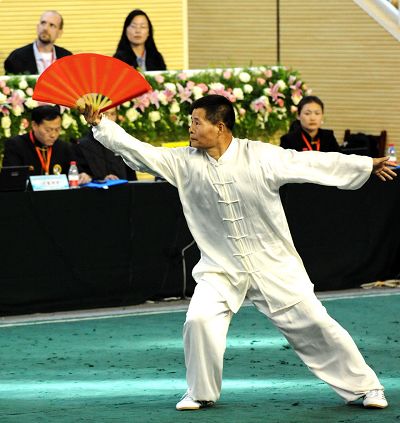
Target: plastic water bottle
{"x": 391, "y": 152}
{"x": 73, "y": 175}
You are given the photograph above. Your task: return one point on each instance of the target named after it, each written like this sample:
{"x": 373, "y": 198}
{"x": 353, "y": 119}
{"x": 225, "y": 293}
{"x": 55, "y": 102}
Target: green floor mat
{"x": 131, "y": 369}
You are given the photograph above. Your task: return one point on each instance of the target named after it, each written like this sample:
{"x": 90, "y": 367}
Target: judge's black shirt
{"x": 98, "y": 161}
{"x": 301, "y": 141}
{"x": 21, "y": 151}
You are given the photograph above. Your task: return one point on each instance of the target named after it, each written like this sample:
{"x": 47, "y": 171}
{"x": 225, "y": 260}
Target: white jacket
{"x": 234, "y": 211}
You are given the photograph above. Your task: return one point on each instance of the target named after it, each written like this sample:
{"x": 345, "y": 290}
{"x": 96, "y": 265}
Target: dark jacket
{"x": 20, "y": 151}
{"x": 22, "y": 60}
{"x": 294, "y": 140}
{"x": 154, "y": 61}
{"x": 98, "y": 161}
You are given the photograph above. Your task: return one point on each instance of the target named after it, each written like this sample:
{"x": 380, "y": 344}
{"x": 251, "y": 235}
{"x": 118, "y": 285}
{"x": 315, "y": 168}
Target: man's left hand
{"x": 84, "y": 178}
{"x": 382, "y": 168}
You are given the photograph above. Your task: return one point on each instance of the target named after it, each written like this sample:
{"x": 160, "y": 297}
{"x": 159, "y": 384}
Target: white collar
{"x": 228, "y": 153}
{"x": 40, "y": 64}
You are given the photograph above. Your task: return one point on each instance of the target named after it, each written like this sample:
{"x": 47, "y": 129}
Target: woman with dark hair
{"x": 306, "y": 133}
{"x": 136, "y": 46}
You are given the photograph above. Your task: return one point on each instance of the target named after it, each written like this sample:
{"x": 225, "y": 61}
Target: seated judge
{"x": 137, "y": 46}
{"x": 306, "y": 133}
{"x": 99, "y": 162}
{"x": 34, "y": 58}
{"x": 41, "y": 147}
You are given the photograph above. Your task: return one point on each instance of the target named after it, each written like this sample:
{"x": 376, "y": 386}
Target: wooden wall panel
{"x": 231, "y": 33}
{"x": 349, "y": 60}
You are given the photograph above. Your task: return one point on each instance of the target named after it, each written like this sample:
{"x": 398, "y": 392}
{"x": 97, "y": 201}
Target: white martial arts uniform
{"x": 234, "y": 212}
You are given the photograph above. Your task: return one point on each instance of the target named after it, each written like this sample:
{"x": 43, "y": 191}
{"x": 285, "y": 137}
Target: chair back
{"x": 364, "y": 144}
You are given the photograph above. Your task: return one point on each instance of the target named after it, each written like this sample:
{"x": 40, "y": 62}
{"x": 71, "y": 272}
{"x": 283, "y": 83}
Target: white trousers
{"x": 321, "y": 343}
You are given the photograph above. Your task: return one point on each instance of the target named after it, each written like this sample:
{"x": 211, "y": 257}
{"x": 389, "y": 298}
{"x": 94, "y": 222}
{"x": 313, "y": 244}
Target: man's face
{"x": 48, "y": 28}
{"x": 203, "y": 133}
{"x": 47, "y": 131}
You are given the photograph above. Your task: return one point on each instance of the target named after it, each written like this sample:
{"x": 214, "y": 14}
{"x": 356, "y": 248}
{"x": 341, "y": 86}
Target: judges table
{"x": 90, "y": 248}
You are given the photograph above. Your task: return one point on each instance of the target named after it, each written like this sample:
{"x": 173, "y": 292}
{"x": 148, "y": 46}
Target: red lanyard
{"x": 309, "y": 145}
{"x": 49, "y": 150}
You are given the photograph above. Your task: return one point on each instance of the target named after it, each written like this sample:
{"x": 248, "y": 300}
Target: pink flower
{"x": 142, "y": 102}
{"x": 153, "y": 97}
{"x": 6, "y": 90}
{"x": 274, "y": 92}
{"x": 268, "y": 73}
{"x": 261, "y": 81}
{"x": 15, "y": 100}
{"x": 296, "y": 88}
{"x": 280, "y": 102}
{"x": 184, "y": 93}
{"x": 5, "y": 111}
{"x": 203, "y": 87}
{"x": 160, "y": 79}
{"x": 29, "y": 91}
{"x": 227, "y": 74}
{"x": 259, "y": 104}
{"x": 220, "y": 90}
{"x": 169, "y": 95}
{"x": 182, "y": 76}
{"x": 297, "y": 92}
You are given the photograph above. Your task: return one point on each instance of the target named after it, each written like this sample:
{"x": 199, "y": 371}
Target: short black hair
{"x": 218, "y": 109}
{"x": 46, "y": 112}
{"x": 307, "y": 100}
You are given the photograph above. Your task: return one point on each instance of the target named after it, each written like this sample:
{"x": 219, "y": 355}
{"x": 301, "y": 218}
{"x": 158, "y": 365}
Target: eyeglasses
{"x": 141, "y": 27}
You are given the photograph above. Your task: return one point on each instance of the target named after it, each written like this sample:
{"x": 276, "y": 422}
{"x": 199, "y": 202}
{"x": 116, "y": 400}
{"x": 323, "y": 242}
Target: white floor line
{"x": 159, "y": 307}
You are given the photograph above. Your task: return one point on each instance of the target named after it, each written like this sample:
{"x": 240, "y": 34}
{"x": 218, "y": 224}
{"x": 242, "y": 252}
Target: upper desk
{"x": 91, "y": 248}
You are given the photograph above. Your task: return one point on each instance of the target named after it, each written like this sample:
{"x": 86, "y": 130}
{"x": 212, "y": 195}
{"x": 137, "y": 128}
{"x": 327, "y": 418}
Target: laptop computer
{"x": 14, "y": 178}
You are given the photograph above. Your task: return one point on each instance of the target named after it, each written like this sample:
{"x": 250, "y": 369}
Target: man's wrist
{"x": 98, "y": 120}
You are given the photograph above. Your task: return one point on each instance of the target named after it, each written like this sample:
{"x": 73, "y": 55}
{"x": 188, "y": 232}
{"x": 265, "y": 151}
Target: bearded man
{"x": 34, "y": 58}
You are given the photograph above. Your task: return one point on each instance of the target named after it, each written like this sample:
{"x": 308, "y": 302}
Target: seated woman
{"x": 99, "y": 162}
{"x": 136, "y": 46}
{"x": 306, "y": 133}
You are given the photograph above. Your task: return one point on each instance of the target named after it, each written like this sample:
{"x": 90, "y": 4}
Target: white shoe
{"x": 375, "y": 399}
{"x": 188, "y": 403}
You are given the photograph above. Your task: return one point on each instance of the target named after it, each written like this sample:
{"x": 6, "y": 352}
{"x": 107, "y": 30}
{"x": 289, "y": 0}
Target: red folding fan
{"x": 99, "y": 80}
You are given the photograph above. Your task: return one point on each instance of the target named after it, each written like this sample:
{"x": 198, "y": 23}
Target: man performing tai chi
{"x": 229, "y": 189}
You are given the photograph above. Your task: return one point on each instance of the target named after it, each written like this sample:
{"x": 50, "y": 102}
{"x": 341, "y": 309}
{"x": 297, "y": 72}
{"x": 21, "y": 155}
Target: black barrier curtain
{"x": 346, "y": 238}
{"x": 92, "y": 248}
{"x": 88, "y": 248}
